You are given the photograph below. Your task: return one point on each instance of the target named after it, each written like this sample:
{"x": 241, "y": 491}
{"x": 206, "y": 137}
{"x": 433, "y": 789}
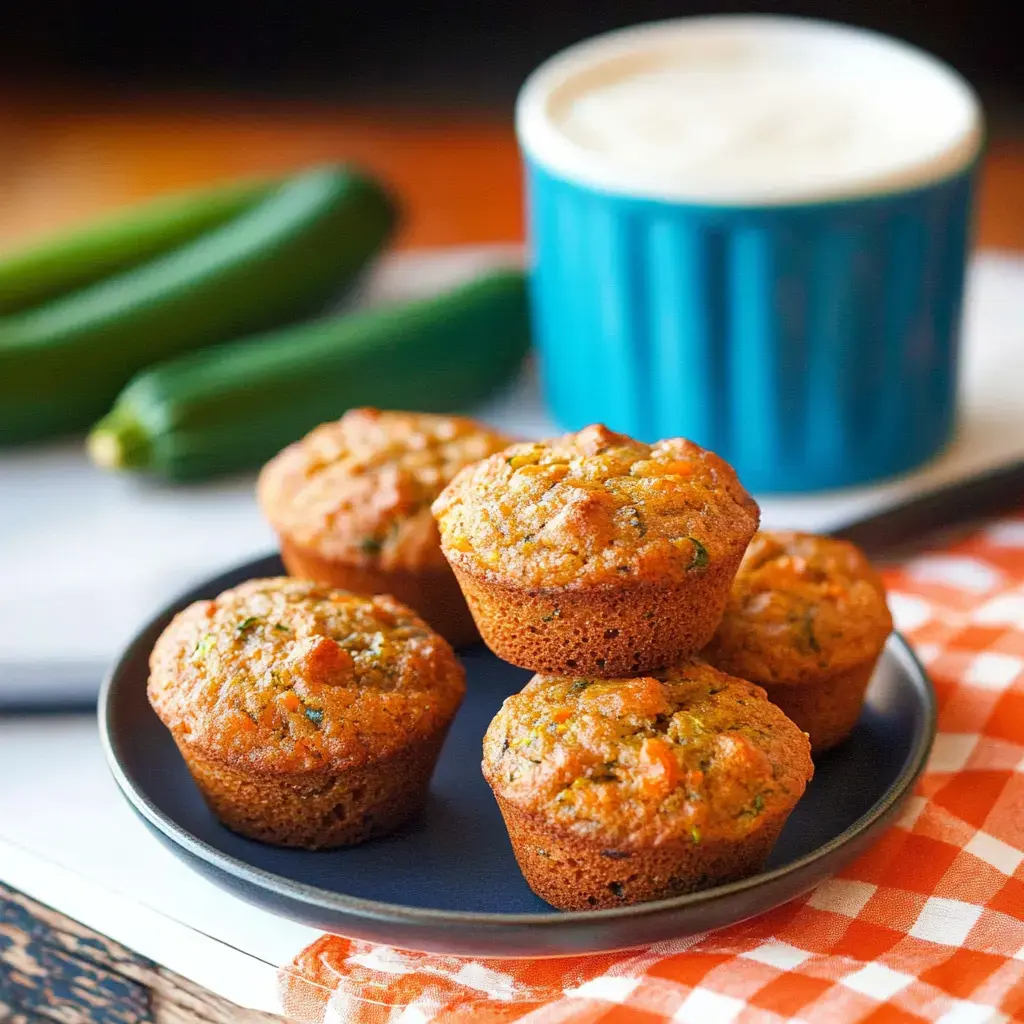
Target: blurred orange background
{"x": 67, "y": 157}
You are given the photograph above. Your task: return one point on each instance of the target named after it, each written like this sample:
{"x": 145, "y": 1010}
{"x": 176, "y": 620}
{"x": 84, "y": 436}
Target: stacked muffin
{"x": 630, "y": 769}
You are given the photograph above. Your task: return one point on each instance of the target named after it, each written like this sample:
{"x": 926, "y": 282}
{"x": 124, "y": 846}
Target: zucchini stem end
{"x": 118, "y": 441}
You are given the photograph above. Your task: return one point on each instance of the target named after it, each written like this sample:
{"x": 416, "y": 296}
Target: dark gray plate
{"x": 448, "y": 882}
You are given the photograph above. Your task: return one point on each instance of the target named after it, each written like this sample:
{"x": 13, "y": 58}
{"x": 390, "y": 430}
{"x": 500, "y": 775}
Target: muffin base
{"x": 827, "y": 709}
{"x": 573, "y": 873}
{"x": 317, "y": 810}
{"x": 606, "y": 631}
{"x": 434, "y": 593}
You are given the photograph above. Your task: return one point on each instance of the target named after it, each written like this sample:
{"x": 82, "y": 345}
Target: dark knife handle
{"x": 978, "y": 497}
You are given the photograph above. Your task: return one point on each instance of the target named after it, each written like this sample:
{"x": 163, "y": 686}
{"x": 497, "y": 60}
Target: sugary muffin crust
{"x": 595, "y": 507}
{"x": 359, "y": 489}
{"x": 801, "y": 607}
{"x": 282, "y": 676}
{"x": 688, "y": 754}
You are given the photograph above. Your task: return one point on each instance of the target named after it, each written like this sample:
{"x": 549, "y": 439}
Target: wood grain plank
{"x": 55, "y": 970}
{"x": 12, "y": 1015}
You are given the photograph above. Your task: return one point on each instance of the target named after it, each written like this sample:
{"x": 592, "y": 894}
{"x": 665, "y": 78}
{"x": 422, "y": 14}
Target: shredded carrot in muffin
{"x": 801, "y": 607}
{"x": 285, "y": 675}
{"x": 687, "y": 753}
{"x": 359, "y": 489}
{"x": 595, "y": 507}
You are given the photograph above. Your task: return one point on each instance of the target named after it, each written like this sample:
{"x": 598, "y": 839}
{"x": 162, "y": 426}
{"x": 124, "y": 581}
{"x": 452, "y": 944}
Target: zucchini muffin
{"x": 307, "y": 716}
{"x": 618, "y": 791}
{"x": 350, "y": 504}
{"x": 807, "y": 620}
{"x": 594, "y": 553}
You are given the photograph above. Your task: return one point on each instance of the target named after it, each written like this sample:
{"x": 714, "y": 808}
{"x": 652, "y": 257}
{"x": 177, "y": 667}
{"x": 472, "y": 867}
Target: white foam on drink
{"x": 749, "y": 110}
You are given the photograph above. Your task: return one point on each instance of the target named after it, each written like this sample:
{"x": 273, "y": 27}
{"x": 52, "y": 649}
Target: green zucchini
{"x": 233, "y": 406}
{"x": 63, "y": 363}
{"x": 80, "y": 257}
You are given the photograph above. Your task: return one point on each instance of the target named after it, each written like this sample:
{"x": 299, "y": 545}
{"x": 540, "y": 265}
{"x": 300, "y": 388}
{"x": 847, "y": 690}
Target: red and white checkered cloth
{"x": 928, "y": 925}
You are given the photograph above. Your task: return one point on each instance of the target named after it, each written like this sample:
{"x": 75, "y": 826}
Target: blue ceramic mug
{"x": 796, "y": 306}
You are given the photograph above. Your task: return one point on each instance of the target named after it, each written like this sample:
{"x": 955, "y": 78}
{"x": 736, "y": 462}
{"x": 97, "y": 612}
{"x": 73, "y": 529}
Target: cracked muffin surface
{"x": 594, "y": 507}
{"x": 359, "y": 489}
{"x": 285, "y": 676}
{"x": 688, "y": 754}
{"x": 801, "y": 607}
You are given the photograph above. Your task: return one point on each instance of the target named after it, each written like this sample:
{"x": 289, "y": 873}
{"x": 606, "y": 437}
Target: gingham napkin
{"x": 928, "y": 925}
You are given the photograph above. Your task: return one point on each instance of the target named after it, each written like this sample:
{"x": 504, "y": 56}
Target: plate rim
{"x": 401, "y": 914}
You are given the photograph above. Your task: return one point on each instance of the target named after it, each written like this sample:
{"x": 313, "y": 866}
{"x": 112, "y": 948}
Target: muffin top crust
{"x": 359, "y": 489}
{"x": 282, "y": 675}
{"x": 688, "y": 754}
{"x": 592, "y": 508}
{"x": 801, "y": 606}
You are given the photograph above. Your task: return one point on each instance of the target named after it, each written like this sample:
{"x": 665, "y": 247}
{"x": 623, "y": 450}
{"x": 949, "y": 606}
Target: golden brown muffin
{"x": 350, "y": 503}
{"x": 619, "y": 791}
{"x": 807, "y": 620}
{"x": 594, "y": 553}
{"x": 307, "y": 716}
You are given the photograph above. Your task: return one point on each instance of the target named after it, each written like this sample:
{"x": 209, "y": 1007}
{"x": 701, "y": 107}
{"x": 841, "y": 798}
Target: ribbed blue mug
{"x": 812, "y": 341}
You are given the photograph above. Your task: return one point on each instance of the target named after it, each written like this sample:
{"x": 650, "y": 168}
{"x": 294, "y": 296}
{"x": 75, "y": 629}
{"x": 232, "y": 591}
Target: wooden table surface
{"x": 53, "y": 969}
{"x": 63, "y": 159}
